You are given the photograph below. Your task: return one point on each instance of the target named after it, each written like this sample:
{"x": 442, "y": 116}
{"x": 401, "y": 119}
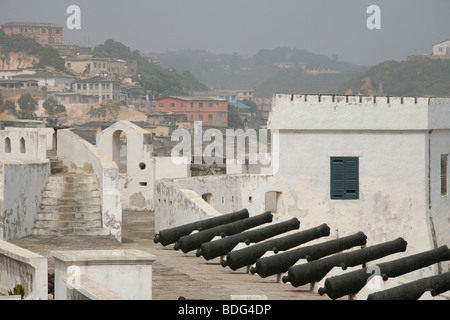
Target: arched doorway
{"x": 119, "y": 150}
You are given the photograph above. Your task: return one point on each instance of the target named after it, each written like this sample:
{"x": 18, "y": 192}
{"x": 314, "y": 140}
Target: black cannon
{"x": 248, "y": 256}
{"x": 281, "y": 263}
{"x": 316, "y": 270}
{"x": 194, "y": 241}
{"x": 353, "y": 282}
{"x": 414, "y": 290}
{"x": 221, "y": 247}
{"x": 169, "y": 236}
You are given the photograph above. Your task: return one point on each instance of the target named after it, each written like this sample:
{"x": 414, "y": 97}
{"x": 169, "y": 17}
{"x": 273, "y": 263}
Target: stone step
{"x": 61, "y": 169}
{"x": 70, "y": 231}
{"x": 42, "y": 224}
{"x": 52, "y": 153}
{"x": 70, "y": 194}
{"x": 69, "y": 200}
{"x": 72, "y": 178}
{"x": 70, "y": 208}
{"x": 74, "y": 187}
{"x": 57, "y": 216}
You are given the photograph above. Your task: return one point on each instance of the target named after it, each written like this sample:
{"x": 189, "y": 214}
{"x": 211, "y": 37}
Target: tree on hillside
{"x": 8, "y": 105}
{"x": 27, "y": 103}
{"x": 48, "y": 56}
{"x": 52, "y": 107}
{"x": 234, "y": 120}
{"x": 114, "y": 49}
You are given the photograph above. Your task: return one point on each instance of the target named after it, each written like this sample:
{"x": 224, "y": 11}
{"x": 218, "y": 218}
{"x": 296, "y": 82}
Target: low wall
{"x": 180, "y": 201}
{"x": 22, "y": 183}
{"x": 103, "y": 274}
{"x": 20, "y": 266}
{"x": 25, "y": 143}
{"x": 82, "y": 157}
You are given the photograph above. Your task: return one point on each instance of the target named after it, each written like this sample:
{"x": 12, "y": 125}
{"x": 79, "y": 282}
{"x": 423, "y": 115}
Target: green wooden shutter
{"x": 344, "y": 178}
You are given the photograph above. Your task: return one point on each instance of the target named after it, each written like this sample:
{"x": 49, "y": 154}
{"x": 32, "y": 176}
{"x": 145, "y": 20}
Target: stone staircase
{"x": 70, "y": 204}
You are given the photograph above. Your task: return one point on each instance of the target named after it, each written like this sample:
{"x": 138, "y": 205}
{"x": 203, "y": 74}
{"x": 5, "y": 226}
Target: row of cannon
{"x": 221, "y": 236}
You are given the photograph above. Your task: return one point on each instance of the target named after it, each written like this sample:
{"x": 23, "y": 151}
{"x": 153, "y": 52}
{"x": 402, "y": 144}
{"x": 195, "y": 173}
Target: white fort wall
{"x": 398, "y": 142}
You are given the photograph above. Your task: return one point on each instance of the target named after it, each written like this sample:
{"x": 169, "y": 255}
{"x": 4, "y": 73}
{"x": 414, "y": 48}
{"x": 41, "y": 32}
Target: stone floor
{"x": 175, "y": 274}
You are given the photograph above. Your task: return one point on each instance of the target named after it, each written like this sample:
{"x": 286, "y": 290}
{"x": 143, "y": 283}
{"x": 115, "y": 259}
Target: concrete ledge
{"x": 20, "y": 266}
{"x": 125, "y": 273}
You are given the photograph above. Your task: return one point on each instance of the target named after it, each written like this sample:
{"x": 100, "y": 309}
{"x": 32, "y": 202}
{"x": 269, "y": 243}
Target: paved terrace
{"x": 175, "y": 273}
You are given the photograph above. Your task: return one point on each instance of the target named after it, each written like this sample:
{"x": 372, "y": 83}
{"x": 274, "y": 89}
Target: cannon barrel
{"x": 352, "y": 282}
{"x": 281, "y": 262}
{"x": 248, "y": 256}
{"x": 194, "y": 241}
{"x": 169, "y": 236}
{"x": 318, "y": 269}
{"x": 415, "y": 289}
{"x": 220, "y": 247}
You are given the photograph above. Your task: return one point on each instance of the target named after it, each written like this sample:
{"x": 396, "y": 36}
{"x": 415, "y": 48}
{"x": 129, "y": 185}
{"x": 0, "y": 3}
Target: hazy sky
{"x": 327, "y": 27}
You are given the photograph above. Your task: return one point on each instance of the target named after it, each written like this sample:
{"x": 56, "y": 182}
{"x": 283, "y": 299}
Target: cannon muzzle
{"x": 169, "y": 236}
{"x": 414, "y": 290}
{"x": 281, "y": 263}
{"x": 318, "y": 269}
{"x": 221, "y": 247}
{"x": 248, "y": 256}
{"x": 353, "y": 282}
{"x": 194, "y": 241}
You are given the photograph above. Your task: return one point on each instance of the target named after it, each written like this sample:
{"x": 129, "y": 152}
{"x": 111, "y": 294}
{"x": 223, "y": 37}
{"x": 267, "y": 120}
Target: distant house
{"x": 442, "y": 48}
{"x": 88, "y": 66}
{"x": 48, "y": 79}
{"x": 100, "y": 87}
{"x": 43, "y": 33}
{"x": 9, "y": 85}
{"x": 230, "y": 95}
{"x": 211, "y": 111}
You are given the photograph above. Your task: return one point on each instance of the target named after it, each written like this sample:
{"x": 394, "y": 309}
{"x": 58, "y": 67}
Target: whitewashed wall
{"x": 20, "y": 266}
{"x": 81, "y": 156}
{"x": 179, "y": 201}
{"x": 399, "y": 151}
{"x": 137, "y": 184}
{"x": 22, "y": 184}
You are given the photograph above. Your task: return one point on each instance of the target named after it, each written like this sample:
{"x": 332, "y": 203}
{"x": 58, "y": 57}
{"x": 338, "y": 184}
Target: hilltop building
{"x": 88, "y": 66}
{"x": 43, "y": 33}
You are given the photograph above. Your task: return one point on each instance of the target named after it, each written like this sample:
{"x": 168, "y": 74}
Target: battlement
{"x": 341, "y": 112}
{"x": 352, "y": 99}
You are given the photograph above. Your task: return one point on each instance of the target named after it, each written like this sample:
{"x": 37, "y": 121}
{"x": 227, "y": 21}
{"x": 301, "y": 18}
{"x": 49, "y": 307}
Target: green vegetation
{"x": 234, "y": 120}
{"x": 159, "y": 81}
{"x": 267, "y": 72}
{"x": 17, "y": 290}
{"x": 48, "y": 56}
{"x": 52, "y": 107}
{"x": 8, "y": 105}
{"x": 407, "y": 78}
{"x": 104, "y": 109}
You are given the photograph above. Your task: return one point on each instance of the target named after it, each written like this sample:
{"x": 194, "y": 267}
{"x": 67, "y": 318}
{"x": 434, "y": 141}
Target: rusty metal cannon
{"x": 352, "y": 282}
{"x": 194, "y": 241}
{"x": 414, "y": 290}
{"x": 171, "y": 235}
{"x": 248, "y": 256}
{"x": 280, "y": 263}
{"x": 316, "y": 270}
{"x": 221, "y": 247}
